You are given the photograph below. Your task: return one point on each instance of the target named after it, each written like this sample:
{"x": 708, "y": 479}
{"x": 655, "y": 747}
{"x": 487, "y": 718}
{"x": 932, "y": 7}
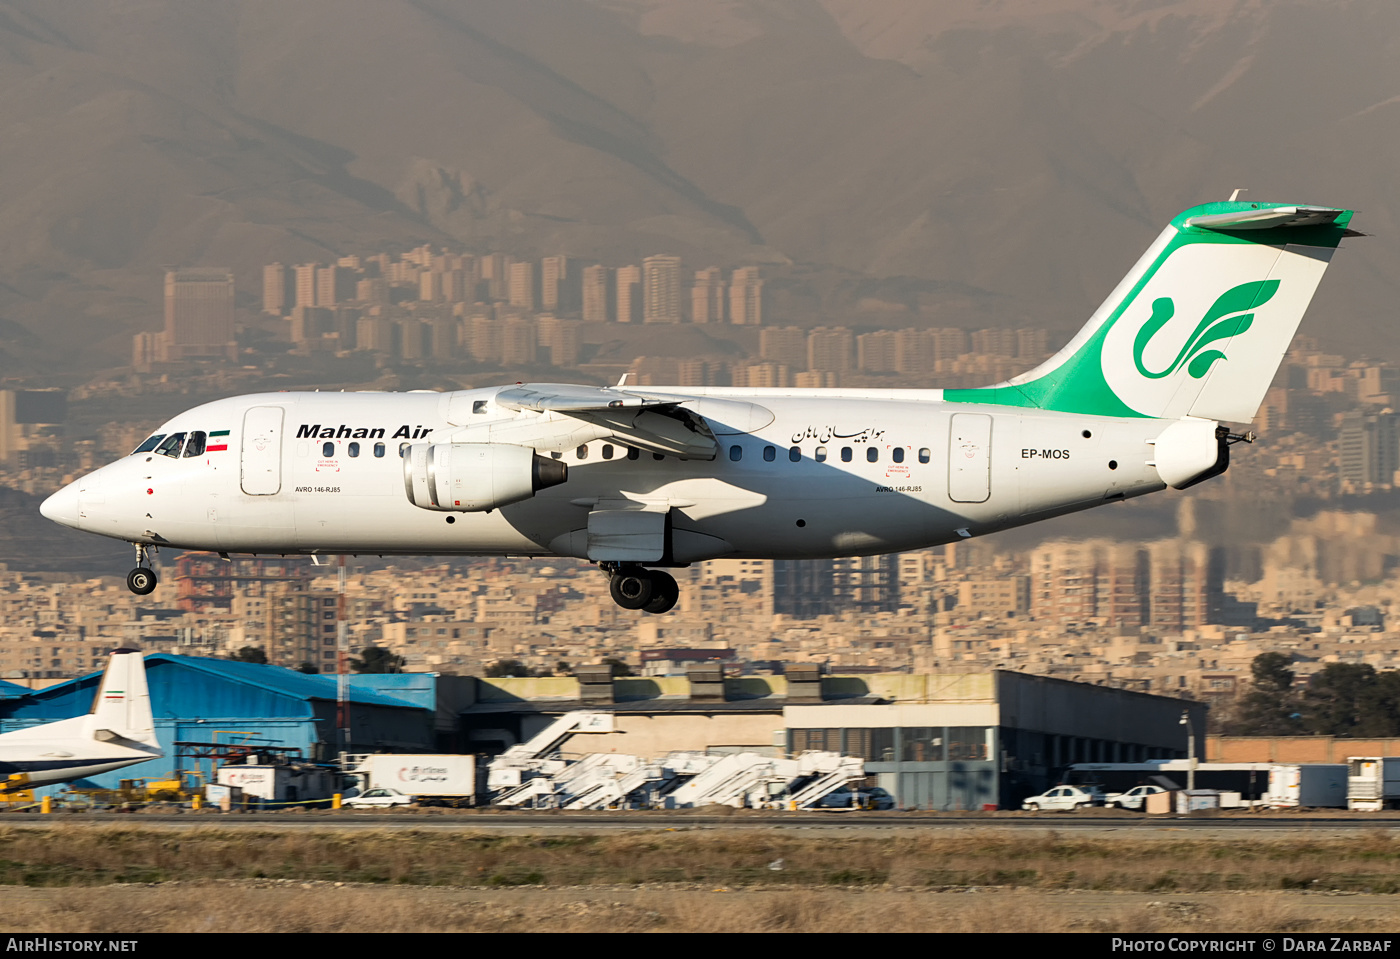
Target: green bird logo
{"x": 1231, "y": 314}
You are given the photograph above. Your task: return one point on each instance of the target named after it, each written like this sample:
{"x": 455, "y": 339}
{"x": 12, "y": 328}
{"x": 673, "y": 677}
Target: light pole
{"x": 1190, "y": 748}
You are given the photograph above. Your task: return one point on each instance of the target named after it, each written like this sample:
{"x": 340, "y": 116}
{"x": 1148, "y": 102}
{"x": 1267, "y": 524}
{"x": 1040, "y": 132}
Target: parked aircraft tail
{"x": 122, "y": 707}
{"x": 1198, "y": 327}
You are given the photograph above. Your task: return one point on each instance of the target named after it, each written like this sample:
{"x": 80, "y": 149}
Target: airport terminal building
{"x": 960, "y": 741}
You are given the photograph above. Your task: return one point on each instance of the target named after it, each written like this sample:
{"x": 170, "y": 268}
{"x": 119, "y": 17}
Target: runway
{"x": 860, "y": 823}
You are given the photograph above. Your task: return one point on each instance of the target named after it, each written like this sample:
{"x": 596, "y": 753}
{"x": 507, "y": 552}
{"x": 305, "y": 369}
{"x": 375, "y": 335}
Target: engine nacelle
{"x": 1191, "y": 451}
{"x": 476, "y": 477}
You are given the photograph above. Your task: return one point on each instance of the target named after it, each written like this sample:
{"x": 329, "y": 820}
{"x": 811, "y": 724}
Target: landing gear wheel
{"x": 631, "y": 587}
{"x": 141, "y": 580}
{"x": 665, "y": 592}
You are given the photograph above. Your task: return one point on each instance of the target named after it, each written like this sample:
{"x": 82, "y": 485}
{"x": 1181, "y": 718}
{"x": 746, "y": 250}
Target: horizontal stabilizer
{"x": 1267, "y": 218}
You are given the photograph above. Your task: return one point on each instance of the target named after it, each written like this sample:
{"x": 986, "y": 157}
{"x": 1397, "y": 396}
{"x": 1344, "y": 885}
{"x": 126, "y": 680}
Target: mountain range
{"x": 987, "y": 162}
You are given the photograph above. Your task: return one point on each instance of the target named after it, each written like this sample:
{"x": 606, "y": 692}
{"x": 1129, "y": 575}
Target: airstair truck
{"x": 1373, "y": 783}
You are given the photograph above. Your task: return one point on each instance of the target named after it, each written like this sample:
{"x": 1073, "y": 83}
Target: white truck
{"x": 1373, "y": 782}
{"x": 442, "y": 779}
{"x": 281, "y": 785}
{"x": 1306, "y": 785}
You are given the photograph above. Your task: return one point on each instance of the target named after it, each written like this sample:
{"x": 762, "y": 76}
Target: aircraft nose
{"x": 62, "y": 507}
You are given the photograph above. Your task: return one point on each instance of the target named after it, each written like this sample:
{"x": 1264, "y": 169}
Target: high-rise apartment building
{"x": 745, "y": 297}
{"x": 707, "y": 296}
{"x": 306, "y": 283}
{"x": 830, "y": 348}
{"x": 629, "y": 294}
{"x": 1369, "y": 449}
{"x": 522, "y": 285}
{"x": 198, "y": 314}
{"x": 597, "y": 297}
{"x": 877, "y": 352}
{"x": 661, "y": 289}
{"x": 559, "y": 285}
{"x": 784, "y": 344}
{"x": 279, "y": 289}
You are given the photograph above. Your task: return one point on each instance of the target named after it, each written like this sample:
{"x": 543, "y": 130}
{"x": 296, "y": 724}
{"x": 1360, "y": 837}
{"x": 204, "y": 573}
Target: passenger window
{"x": 171, "y": 446}
{"x": 736, "y": 453}
{"x": 195, "y": 447}
{"x": 633, "y": 453}
{"x": 769, "y": 454}
{"x": 607, "y": 451}
{"x": 403, "y": 449}
{"x": 151, "y": 443}
{"x": 872, "y": 455}
{"x": 924, "y": 455}
{"x": 582, "y": 452}
{"x": 327, "y": 450}
{"x": 821, "y": 454}
{"x": 845, "y": 454}
{"x": 378, "y": 449}
{"x": 353, "y": 449}
{"x": 795, "y": 454}
{"x": 898, "y": 454}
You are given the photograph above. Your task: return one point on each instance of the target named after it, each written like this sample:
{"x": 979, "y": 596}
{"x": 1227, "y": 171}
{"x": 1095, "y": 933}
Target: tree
{"x": 508, "y": 667}
{"x": 308, "y": 668}
{"x": 619, "y": 667}
{"x": 374, "y": 659}
{"x": 1333, "y": 703}
{"x": 1270, "y": 708}
{"x": 250, "y": 654}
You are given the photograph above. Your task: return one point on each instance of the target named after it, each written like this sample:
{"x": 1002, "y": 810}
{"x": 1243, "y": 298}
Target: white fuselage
{"x": 798, "y": 475}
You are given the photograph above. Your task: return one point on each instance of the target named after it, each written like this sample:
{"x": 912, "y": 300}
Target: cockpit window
{"x": 171, "y": 446}
{"x": 150, "y": 444}
{"x": 195, "y": 447}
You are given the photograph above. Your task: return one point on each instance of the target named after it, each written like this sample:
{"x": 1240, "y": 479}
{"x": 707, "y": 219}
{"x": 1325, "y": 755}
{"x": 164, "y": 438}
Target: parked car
{"x": 379, "y": 798}
{"x": 1065, "y": 797}
{"x": 1134, "y": 798}
{"x": 847, "y": 798}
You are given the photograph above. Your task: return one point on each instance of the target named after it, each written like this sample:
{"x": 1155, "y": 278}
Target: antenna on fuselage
{"x": 1236, "y": 195}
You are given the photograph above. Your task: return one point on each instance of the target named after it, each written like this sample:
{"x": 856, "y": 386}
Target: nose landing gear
{"x": 142, "y": 580}
{"x": 649, "y": 590}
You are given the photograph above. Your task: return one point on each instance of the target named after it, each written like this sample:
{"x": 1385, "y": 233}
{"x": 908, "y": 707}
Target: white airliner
{"x": 117, "y": 732}
{"x": 638, "y": 479}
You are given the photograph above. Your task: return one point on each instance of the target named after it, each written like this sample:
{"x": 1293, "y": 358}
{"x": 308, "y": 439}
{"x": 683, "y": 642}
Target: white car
{"x": 379, "y": 798}
{"x": 1065, "y": 797}
{"x": 1134, "y": 798}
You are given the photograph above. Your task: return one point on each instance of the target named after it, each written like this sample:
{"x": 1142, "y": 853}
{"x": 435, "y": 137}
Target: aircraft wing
{"x": 569, "y": 398}
{"x": 653, "y": 424}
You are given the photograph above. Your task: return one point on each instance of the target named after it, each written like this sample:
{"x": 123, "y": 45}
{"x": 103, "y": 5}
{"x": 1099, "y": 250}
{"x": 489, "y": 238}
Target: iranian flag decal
{"x": 218, "y": 440}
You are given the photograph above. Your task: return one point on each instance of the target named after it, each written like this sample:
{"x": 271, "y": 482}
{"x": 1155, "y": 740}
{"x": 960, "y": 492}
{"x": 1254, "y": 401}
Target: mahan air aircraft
{"x": 638, "y": 480}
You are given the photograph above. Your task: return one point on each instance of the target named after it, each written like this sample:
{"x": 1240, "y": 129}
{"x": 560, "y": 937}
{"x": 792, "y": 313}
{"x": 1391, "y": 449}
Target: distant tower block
{"x": 306, "y": 283}
{"x": 661, "y": 289}
{"x": 745, "y": 297}
{"x": 279, "y": 290}
{"x": 629, "y": 294}
{"x": 597, "y": 302}
{"x": 707, "y": 297}
{"x": 198, "y": 314}
{"x": 522, "y": 285}
{"x": 558, "y": 285}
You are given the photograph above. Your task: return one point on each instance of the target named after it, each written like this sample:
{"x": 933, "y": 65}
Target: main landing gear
{"x": 633, "y": 587}
{"x": 142, "y": 580}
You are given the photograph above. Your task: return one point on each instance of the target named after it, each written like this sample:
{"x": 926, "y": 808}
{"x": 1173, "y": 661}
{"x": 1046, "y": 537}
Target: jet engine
{"x": 476, "y": 477}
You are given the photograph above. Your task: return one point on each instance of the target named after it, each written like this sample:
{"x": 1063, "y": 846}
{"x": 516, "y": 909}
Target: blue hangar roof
{"x": 207, "y": 687}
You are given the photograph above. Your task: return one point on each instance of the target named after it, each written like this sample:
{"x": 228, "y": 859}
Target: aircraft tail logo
{"x": 1248, "y": 271}
{"x": 1244, "y": 297}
